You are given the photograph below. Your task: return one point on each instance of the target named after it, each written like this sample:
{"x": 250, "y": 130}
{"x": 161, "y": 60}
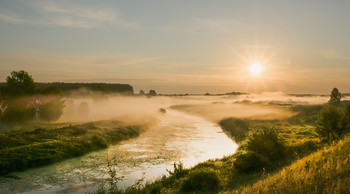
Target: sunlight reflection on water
{"x": 179, "y": 137}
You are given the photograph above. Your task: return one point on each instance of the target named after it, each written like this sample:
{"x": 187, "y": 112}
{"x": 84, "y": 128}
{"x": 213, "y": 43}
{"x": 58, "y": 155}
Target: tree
{"x": 52, "y": 110}
{"x": 152, "y": 93}
{"x": 17, "y": 107}
{"x": 141, "y": 93}
{"x": 20, "y": 83}
{"x": 18, "y": 111}
{"x": 335, "y": 97}
{"x": 329, "y": 125}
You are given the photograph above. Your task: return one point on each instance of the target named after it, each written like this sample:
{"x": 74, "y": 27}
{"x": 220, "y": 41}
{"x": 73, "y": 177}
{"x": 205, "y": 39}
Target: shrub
{"x": 250, "y": 162}
{"x": 178, "y": 170}
{"x": 201, "y": 180}
{"x": 330, "y": 123}
{"x": 266, "y": 143}
{"x": 52, "y": 110}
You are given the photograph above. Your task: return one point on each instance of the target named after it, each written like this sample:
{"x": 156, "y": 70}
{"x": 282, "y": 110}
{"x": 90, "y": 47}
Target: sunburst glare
{"x": 256, "y": 69}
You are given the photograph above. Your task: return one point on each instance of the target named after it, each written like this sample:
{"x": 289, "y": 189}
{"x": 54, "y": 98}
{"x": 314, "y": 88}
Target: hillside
{"x": 325, "y": 171}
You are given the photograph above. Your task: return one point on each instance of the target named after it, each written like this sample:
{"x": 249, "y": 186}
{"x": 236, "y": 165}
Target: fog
{"x": 138, "y": 109}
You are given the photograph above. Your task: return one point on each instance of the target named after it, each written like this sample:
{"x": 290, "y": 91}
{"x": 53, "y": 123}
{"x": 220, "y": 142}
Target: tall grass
{"x": 325, "y": 171}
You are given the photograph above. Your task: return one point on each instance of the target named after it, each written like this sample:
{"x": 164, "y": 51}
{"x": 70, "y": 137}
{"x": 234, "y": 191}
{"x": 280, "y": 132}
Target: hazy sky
{"x": 180, "y": 46}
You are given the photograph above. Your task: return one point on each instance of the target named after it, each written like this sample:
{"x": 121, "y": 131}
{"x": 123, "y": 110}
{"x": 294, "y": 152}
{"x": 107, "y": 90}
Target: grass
{"x": 325, "y": 171}
{"x": 236, "y": 128}
{"x": 28, "y": 148}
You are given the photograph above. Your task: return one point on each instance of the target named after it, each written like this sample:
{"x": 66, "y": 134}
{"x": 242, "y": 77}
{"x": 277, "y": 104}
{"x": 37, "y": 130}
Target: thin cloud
{"x": 99, "y": 14}
{"x": 67, "y": 14}
{"x": 10, "y": 19}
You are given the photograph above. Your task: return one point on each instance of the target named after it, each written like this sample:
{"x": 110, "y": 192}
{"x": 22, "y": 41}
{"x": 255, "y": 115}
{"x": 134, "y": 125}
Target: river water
{"x": 178, "y": 137}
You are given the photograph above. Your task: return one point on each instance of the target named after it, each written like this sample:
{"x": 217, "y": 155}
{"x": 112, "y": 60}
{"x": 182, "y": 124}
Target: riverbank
{"x": 294, "y": 149}
{"x": 177, "y": 137}
{"x": 27, "y": 148}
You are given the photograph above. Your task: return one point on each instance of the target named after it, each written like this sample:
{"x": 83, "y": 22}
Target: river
{"x": 178, "y": 137}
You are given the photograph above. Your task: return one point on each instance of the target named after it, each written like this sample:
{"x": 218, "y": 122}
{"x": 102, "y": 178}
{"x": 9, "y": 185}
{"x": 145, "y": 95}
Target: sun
{"x": 256, "y": 69}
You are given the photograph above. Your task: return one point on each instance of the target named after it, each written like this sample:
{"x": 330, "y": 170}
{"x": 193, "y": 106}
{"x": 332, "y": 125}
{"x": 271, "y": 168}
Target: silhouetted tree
{"x": 17, "y": 106}
{"x": 52, "y": 110}
{"x": 152, "y": 93}
{"x": 18, "y": 112}
{"x": 20, "y": 83}
{"x": 141, "y": 93}
{"x": 335, "y": 97}
{"x": 329, "y": 125}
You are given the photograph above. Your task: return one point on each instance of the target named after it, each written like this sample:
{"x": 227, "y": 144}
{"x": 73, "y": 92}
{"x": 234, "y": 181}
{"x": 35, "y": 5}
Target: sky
{"x": 182, "y": 46}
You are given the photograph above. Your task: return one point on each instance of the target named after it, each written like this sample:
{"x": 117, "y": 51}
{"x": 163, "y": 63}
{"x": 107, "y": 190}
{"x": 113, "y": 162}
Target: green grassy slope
{"x": 325, "y": 171}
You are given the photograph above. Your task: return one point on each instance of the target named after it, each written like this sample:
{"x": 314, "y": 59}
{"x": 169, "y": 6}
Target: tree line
{"x": 125, "y": 89}
{"x": 23, "y": 100}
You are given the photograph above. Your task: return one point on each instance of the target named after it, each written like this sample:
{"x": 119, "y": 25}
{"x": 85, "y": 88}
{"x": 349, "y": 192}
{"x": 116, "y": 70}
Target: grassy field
{"x": 21, "y": 149}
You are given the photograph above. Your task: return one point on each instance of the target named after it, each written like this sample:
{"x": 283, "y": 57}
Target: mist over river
{"x": 178, "y": 137}
{"x": 187, "y": 132}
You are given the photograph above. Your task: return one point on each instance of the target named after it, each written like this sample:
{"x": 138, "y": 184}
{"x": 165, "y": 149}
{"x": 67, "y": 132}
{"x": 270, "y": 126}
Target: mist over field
{"x": 214, "y": 108}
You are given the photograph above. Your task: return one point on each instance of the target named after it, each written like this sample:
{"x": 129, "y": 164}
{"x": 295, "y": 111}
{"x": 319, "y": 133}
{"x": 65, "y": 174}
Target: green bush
{"x": 201, "y": 180}
{"x": 51, "y": 111}
{"x": 250, "y": 162}
{"x": 330, "y": 123}
{"x": 266, "y": 143}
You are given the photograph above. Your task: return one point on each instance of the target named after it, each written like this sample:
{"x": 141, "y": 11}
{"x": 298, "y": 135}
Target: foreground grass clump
{"x": 23, "y": 149}
{"x": 325, "y": 171}
{"x": 201, "y": 180}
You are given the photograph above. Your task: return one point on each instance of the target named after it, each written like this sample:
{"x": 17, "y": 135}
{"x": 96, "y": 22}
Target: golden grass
{"x": 325, "y": 171}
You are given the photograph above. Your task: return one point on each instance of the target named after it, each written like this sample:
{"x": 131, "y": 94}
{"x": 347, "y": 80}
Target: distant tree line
{"x": 101, "y": 87}
{"x": 23, "y": 100}
{"x": 149, "y": 94}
